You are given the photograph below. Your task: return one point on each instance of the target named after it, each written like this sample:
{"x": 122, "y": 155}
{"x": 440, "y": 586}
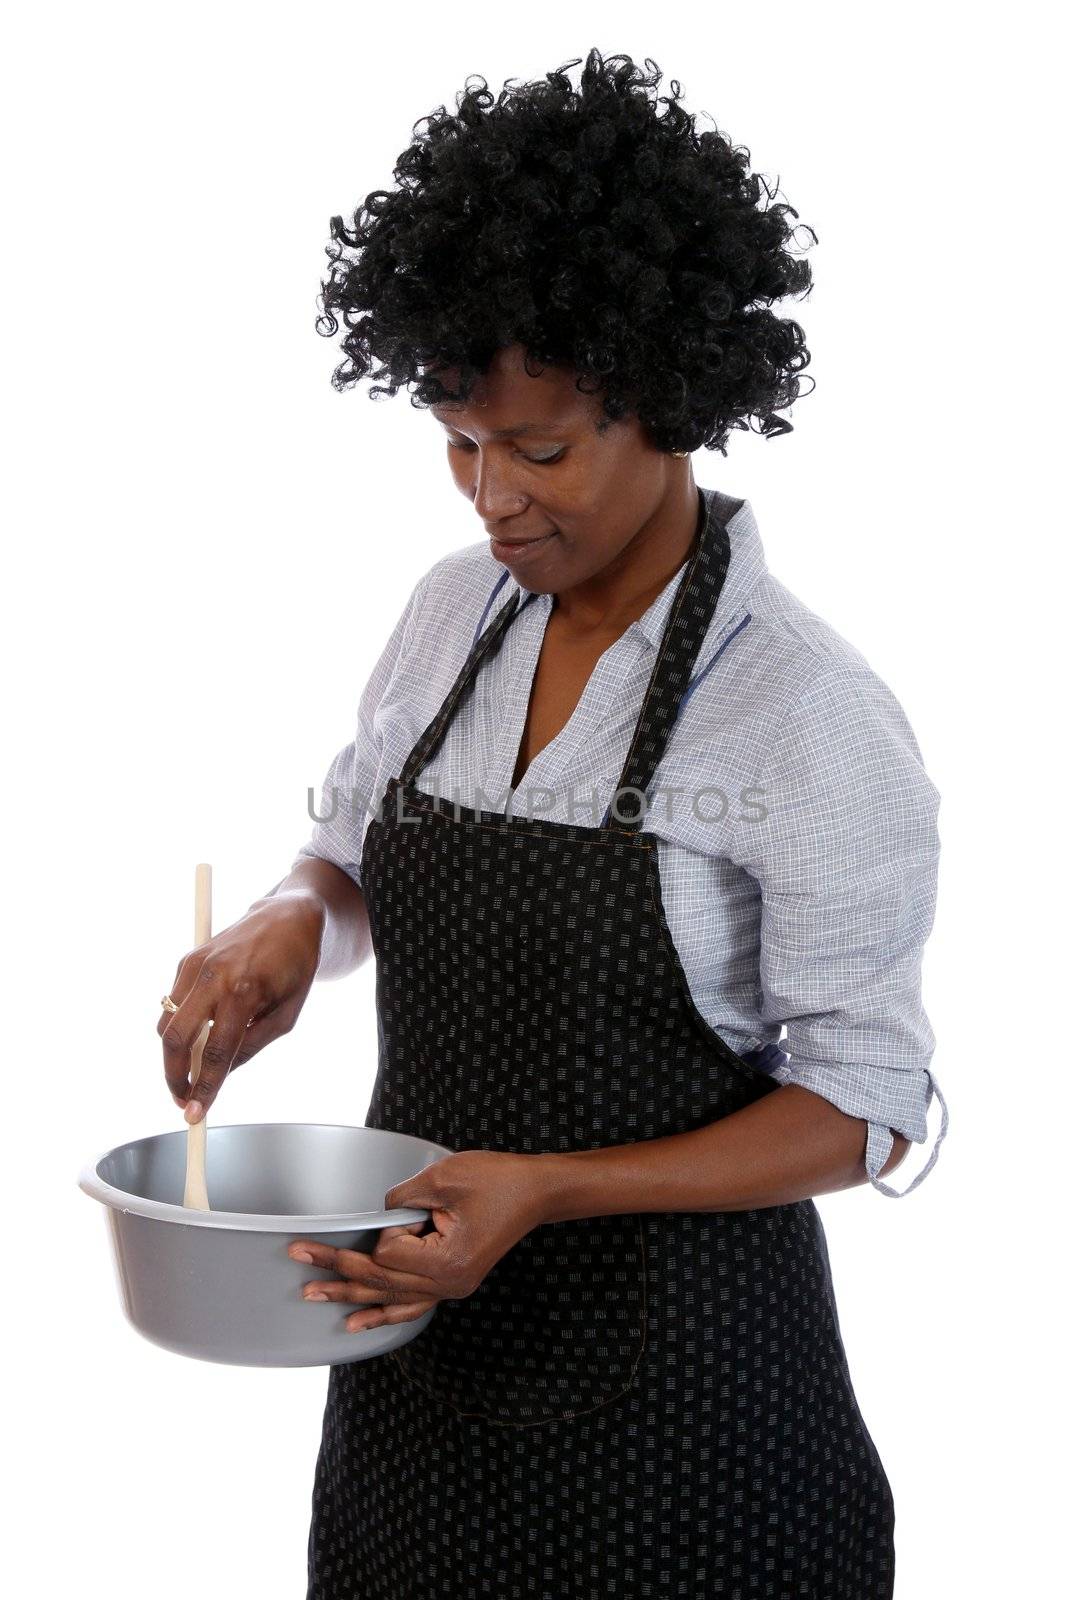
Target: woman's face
{"x": 561, "y": 501}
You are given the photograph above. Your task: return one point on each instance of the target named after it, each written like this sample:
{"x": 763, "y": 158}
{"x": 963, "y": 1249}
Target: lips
{"x": 517, "y": 544}
{"x": 511, "y": 550}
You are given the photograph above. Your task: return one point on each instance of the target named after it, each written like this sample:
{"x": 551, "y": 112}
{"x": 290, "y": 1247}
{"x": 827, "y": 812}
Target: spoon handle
{"x": 196, "y": 1138}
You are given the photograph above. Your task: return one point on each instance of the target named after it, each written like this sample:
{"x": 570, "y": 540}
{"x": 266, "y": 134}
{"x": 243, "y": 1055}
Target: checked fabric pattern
{"x": 755, "y": 904}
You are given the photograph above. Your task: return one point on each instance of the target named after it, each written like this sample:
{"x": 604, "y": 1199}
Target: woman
{"x": 617, "y": 809}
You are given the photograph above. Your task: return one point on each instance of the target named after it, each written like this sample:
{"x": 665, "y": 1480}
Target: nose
{"x": 495, "y": 496}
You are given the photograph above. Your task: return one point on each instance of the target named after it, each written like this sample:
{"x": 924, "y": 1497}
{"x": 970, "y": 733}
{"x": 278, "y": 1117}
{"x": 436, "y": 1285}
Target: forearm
{"x": 346, "y": 939}
{"x": 787, "y": 1146}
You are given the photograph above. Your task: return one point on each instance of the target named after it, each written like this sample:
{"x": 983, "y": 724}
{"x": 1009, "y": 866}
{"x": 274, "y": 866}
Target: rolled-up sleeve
{"x": 846, "y": 858}
{"x": 349, "y": 790}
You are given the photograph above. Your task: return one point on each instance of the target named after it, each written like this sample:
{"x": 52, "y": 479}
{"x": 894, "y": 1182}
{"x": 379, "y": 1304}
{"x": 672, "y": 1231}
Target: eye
{"x": 539, "y": 461}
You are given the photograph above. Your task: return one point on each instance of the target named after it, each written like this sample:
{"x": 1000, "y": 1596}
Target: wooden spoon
{"x": 196, "y": 1141}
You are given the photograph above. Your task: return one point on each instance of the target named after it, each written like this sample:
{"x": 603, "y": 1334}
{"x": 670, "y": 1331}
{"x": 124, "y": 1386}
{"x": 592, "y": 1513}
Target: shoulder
{"x": 823, "y": 744}
{"x": 802, "y": 685}
{"x": 839, "y": 758}
{"x": 800, "y": 651}
{"x": 793, "y": 711}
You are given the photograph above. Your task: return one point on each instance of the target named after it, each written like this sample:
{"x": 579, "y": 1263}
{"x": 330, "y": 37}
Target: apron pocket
{"x": 556, "y": 1328}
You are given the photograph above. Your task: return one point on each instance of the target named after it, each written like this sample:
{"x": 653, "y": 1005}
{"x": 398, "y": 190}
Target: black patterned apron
{"x": 650, "y": 1405}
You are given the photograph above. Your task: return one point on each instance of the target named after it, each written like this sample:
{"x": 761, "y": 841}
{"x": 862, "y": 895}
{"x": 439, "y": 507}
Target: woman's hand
{"x": 250, "y": 981}
{"x": 483, "y": 1202}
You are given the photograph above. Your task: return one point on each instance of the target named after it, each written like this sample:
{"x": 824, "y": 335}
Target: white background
{"x": 208, "y": 548}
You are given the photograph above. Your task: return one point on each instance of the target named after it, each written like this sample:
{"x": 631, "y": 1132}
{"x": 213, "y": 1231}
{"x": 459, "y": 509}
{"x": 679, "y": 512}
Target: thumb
{"x": 393, "y": 1204}
{"x": 422, "y": 1191}
{"x": 419, "y": 1192}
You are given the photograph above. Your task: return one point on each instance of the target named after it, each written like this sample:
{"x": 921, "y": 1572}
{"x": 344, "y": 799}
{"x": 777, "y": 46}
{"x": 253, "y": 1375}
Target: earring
{"x": 679, "y": 452}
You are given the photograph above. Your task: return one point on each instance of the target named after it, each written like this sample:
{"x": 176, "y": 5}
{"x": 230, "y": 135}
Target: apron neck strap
{"x": 485, "y": 644}
{"x": 687, "y": 624}
{"x": 690, "y": 617}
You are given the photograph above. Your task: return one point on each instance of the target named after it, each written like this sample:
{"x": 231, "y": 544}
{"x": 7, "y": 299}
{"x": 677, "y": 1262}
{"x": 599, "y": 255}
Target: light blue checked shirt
{"x": 797, "y": 826}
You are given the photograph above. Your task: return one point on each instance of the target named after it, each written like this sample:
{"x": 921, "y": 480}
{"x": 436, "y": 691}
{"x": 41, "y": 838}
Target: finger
{"x": 405, "y": 1250}
{"x": 356, "y": 1267}
{"x": 178, "y": 1037}
{"x": 360, "y": 1321}
{"x": 311, "y": 1250}
{"x": 408, "y": 1258}
{"x": 431, "y": 1260}
{"x": 185, "y": 977}
{"x": 228, "y": 1029}
{"x": 346, "y": 1291}
{"x": 350, "y": 1263}
{"x": 401, "y": 1227}
{"x": 265, "y": 1028}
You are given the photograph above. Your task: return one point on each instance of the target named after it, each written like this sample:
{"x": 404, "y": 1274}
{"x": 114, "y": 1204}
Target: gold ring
{"x": 167, "y": 1003}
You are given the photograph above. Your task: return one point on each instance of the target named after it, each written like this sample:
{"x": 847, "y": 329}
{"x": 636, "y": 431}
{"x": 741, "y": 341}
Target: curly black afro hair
{"x": 599, "y": 234}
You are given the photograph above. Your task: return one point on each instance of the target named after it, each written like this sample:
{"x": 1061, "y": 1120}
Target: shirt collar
{"x": 747, "y": 565}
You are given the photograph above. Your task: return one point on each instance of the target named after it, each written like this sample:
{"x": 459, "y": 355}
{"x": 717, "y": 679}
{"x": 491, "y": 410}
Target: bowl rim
{"x": 92, "y": 1184}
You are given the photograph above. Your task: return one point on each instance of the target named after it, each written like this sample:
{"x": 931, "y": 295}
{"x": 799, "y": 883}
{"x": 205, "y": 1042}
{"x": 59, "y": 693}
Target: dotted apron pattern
{"x": 627, "y": 1406}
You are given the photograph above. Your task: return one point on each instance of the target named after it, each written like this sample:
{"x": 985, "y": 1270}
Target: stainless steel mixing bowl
{"x": 218, "y": 1284}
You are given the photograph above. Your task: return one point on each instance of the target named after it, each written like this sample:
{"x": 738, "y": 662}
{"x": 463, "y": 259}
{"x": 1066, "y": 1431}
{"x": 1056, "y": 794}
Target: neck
{"x": 624, "y": 589}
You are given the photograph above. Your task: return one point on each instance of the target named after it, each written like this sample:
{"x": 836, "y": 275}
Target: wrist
{"x": 300, "y": 897}
{"x": 562, "y": 1185}
{"x": 299, "y": 908}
